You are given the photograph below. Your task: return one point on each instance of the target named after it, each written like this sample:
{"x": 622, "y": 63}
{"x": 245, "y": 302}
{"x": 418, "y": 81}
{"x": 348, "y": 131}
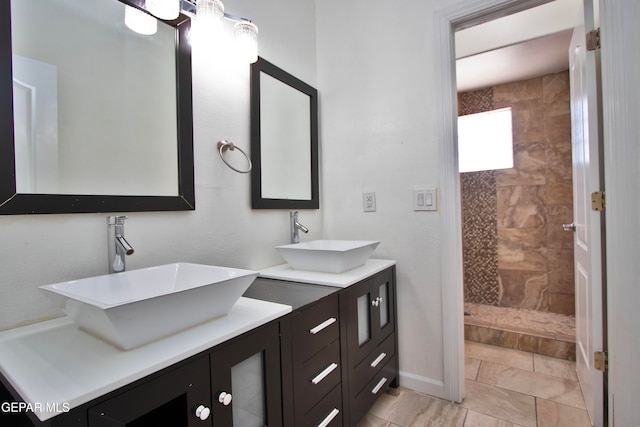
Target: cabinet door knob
{"x": 375, "y": 302}
{"x": 225, "y": 398}
{"x": 202, "y": 412}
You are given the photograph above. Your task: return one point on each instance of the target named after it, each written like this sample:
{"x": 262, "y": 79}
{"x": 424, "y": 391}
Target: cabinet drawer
{"x": 327, "y": 413}
{"x": 314, "y": 328}
{"x": 373, "y": 390}
{"x": 371, "y": 364}
{"x": 316, "y": 377}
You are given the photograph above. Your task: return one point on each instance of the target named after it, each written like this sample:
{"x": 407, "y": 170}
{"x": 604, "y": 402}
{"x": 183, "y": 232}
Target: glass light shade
{"x": 164, "y": 9}
{"x": 139, "y": 21}
{"x": 209, "y": 16}
{"x": 246, "y": 39}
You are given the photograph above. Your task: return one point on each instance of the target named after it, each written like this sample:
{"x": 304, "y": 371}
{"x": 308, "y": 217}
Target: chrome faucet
{"x": 118, "y": 245}
{"x": 295, "y": 226}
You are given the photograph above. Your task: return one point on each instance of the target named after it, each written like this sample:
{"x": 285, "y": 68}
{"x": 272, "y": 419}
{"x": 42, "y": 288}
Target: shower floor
{"x": 550, "y": 334}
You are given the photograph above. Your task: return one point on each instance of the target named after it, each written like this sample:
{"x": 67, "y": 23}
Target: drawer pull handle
{"x": 334, "y": 413}
{"x": 324, "y": 373}
{"x": 330, "y": 321}
{"x": 378, "y": 360}
{"x": 378, "y": 386}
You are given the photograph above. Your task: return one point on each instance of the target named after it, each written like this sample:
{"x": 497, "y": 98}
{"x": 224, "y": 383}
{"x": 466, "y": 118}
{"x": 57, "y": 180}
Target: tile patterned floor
{"x": 504, "y": 388}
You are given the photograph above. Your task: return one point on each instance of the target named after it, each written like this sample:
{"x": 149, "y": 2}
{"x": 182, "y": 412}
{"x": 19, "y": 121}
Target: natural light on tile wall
{"x": 485, "y": 141}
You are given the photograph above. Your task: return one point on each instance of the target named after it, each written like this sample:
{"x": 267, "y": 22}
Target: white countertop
{"x": 340, "y": 280}
{"x": 54, "y": 362}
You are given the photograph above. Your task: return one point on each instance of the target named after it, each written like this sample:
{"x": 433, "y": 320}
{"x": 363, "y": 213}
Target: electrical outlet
{"x": 369, "y": 201}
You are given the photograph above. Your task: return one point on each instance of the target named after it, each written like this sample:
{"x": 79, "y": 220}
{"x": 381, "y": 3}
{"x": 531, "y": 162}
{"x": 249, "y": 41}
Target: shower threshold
{"x": 550, "y": 334}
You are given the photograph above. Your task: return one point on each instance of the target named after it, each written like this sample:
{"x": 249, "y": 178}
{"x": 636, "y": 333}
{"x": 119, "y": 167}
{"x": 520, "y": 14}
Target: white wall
{"x": 224, "y": 230}
{"x": 378, "y": 132}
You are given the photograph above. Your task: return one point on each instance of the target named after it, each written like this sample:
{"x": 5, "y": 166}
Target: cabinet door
{"x": 245, "y": 380}
{"x": 385, "y": 306}
{"x": 370, "y": 310}
{"x": 172, "y": 398}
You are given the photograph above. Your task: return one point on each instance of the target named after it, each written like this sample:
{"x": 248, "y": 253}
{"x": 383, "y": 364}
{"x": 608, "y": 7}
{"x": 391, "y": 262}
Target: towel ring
{"x": 225, "y": 145}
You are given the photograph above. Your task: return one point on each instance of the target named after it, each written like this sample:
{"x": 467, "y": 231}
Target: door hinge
{"x": 593, "y": 40}
{"x": 601, "y": 361}
{"x": 597, "y": 201}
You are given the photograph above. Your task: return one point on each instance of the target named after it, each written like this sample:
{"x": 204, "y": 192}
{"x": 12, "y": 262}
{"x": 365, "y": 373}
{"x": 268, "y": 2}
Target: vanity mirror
{"x": 284, "y": 140}
{"x": 95, "y": 117}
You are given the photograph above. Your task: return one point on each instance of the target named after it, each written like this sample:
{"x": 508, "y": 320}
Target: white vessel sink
{"x": 135, "y": 307}
{"x": 329, "y": 256}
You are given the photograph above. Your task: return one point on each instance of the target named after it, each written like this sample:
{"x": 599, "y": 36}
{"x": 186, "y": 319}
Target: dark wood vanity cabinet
{"x": 339, "y": 354}
{"x": 370, "y": 363}
{"x": 312, "y": 365}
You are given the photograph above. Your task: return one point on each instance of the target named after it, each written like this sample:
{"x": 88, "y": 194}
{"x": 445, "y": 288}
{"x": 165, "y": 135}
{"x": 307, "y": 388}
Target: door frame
{"x": 620, "y": 60}
{"x": 447, "y": 21}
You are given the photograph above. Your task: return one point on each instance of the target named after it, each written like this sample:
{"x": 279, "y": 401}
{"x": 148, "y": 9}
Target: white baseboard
{"x": 422, "y": 384}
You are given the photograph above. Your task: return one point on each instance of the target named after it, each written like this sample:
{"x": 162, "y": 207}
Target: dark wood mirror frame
{"x": 257, "y": 201}
{"x": 13, "y": 203}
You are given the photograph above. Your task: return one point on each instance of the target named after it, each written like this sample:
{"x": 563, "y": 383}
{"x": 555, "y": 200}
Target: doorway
{"x": 462, "y": 16}
{"x": 517, "y": 260}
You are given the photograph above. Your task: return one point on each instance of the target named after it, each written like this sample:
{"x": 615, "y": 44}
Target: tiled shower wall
{"x": 515, "y": 252}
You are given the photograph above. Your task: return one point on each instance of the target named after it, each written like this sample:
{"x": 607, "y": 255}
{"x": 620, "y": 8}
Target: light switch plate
{"x": 425, "y": 199}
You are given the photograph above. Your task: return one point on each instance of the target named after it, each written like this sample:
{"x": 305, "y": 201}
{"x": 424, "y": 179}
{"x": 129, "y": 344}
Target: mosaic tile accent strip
{"x": 476, "y": 101}
{"x": 480, "y": 237}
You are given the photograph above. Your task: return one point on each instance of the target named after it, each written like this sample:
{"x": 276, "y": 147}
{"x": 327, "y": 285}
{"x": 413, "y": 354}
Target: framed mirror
{"x": 284, "y": 140}
{"x": 95, "y": 117}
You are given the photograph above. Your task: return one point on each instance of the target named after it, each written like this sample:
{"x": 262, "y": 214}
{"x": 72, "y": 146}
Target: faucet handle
{"x": 116, "y": 220}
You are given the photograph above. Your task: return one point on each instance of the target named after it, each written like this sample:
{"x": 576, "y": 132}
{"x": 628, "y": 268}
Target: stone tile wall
{"x": 534, "y": 256}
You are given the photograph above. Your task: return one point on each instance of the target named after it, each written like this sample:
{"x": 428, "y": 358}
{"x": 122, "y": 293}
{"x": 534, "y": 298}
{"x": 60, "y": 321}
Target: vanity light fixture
{"x": 139, "y": 21}
{"x": 164, "y": 9}
{"x": 208, "y": 16}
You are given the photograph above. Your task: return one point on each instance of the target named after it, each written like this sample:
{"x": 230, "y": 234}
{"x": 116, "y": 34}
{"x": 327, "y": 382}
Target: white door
{"x": 587, "y": 223}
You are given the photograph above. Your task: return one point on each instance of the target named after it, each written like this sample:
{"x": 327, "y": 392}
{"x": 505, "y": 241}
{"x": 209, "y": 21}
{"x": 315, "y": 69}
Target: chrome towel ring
{"x": 225, "y": 145}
